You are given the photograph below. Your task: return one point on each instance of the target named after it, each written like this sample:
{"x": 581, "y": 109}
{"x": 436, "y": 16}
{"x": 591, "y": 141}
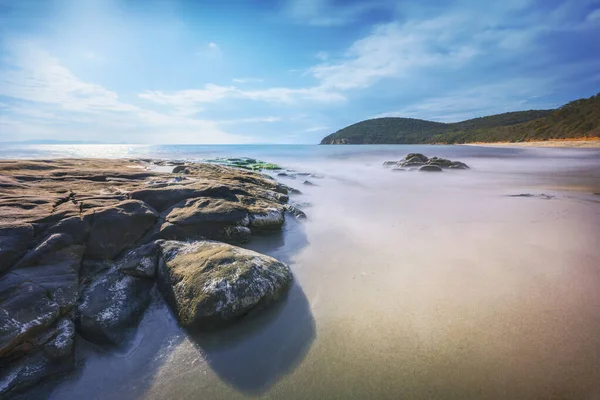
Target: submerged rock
{"x": 295, "y": 211}
{"x": 430, "y": 168}
{"x": 414, "y": 160}
{"x": 208, "y": 284}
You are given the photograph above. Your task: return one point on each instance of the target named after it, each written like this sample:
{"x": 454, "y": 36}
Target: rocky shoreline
{"x": 83, "y": 243}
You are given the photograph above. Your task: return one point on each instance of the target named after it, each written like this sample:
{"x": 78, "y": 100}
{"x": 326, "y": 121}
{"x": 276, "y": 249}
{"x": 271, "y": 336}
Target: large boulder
{"x": 14, "y": 241}
{"x": 208, "y": 284}
{"x": 118, "y": 227}
{"x": 111, "y": 307}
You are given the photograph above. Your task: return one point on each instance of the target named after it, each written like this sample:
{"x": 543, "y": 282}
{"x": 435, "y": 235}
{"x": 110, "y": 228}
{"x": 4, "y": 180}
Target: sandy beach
{"x": 590, "y": 143}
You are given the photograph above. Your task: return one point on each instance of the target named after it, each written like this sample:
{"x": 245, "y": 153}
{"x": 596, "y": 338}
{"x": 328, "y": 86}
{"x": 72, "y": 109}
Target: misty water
{"x": 407, "y": 285}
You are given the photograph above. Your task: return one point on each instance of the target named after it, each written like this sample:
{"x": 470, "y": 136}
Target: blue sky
{"x": 290, "y": 71}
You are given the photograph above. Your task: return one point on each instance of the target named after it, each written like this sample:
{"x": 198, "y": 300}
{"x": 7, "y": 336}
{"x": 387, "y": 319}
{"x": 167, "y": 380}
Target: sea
{"x": 474, "y": 284}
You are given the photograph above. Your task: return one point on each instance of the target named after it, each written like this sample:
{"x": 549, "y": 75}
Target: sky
{"x": 289, "y": 71}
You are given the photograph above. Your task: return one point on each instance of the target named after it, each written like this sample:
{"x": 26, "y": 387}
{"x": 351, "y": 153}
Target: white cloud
{"x": 210, "y": 50}
{"x": 393, "y": 50}
{"x": 47, "y": 99}
{"x": 317, "y": 128}
{"x": 90, "y": 55}
{"x": 247, "y": 80}
{"x": 322, "y": 55}
{"x": 474, "y": 102}
{"x": 594, "y": 16}
{"x": 187, "y": 102}
{"x": 251, "y": 120}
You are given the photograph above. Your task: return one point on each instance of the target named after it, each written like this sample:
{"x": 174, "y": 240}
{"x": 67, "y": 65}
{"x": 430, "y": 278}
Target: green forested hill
{"x": 580, "y": 118}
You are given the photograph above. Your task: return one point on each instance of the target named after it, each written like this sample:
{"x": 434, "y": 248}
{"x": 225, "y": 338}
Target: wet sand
{"x": 407, "y": 285}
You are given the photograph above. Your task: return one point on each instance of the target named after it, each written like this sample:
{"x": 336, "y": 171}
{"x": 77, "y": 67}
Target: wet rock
{"x": 458, "y": 165}
{"x": 54, "y": 356}
{"x": 267, "y": 219}
{"x": 140, "y": 262}
{"x": 54, "y": 266}
{"x": 309, "y": 183}
{"x": 208, "y": 284}
{"x": 416, "y": 157}
{"x": 14, "y": 241}
{"x": 25, "y": 311}
{"x": 539, "y": 196}
{"x": 389, "y": 163}
{"x": 430, "y": 168}
{"x": 111, "y": 306}
{"x": 419, "y": 160}
{"x": 118, "y": 227}
{"x": 295, "y": 211}
{"x": 181, "y": 169}
{"x": 396, "y": 169}
{"x": 291, "y": 189}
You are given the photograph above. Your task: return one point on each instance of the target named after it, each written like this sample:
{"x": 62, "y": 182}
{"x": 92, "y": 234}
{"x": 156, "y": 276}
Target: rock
{"x": 430, "y": 168}
{"x": 416, "y": 157}
{"x": 309, "y": 183}
{"x": 412, "y": 162}
{"x": 77, "y": 227}
{"x": 459, "y": 165}
{"x": 140, "y": 262}
{"x": 291, "y": 190}
{"x": 54, "y": 266}
{"x": 54, "y": 356}
{"x": 419, "y": 160}
{"x": 208, "y": 284}
{"x": 206, "y": 218}
{"x": 396, "y": 169}
{"x": 269, "y": 219}
{"x": 118, "y": 227}
{"x": 162, "y": 198}
{"x": 388, "y": 163}
{"x": 111, "y": 307}
{"x": 14, "y": 241}
{"x": 181, "y": 169}
{"x": 295, "y": 211}
{"x": 25, "y": 311}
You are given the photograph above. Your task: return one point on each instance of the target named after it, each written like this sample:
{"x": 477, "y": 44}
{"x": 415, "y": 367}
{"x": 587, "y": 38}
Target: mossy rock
{"x": 209, "y": 284}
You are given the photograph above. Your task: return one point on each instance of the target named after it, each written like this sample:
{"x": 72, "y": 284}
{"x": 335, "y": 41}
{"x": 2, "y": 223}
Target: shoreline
{"x": 582, "y": 143}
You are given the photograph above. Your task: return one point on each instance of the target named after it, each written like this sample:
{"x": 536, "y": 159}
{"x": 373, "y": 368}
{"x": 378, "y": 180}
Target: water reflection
{"x": 254, "y": 355}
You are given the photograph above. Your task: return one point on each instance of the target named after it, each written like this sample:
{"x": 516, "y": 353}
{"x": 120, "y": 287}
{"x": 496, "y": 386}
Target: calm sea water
{"x": 407, "y": 285}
